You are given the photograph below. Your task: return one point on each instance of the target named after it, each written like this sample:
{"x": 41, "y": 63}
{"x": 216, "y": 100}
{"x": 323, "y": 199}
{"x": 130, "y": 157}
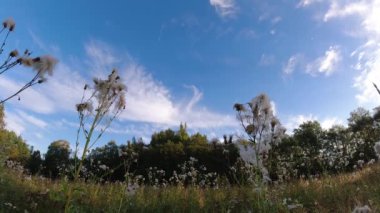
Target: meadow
{"x": 340, "y": 193}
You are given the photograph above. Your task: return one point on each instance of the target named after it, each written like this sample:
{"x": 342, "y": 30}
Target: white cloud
{"x": 267, "y": 60}
{"x": 32, "y": 119}
{"x": 21, "y": 122}
{"x": 292, "y": 64}
{"x": 224, "y": 8}
{"x": 30, "y": 99}
{"x": 327, "y": 123}
{"x": 14, "y": 122}
{"x": 276, "y": 19}
{"x": 148, "y": 100}
{"x": 368, "y": 54}
{"x": 336, "y": 10}
{"x": 101, "y": 57}
{"x": 369, "y": 66}
{"x": 61, "y": 92}
{"x": 305, "y": 3}
{"x": 64, "y": 88}
{"x": 247, "y": 33}
{"x": 326, "y": 64}
{"x": 295, "y": 121}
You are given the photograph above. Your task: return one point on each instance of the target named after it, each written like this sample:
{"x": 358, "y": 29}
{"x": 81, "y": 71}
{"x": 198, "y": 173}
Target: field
{"x": 342, "y": 193}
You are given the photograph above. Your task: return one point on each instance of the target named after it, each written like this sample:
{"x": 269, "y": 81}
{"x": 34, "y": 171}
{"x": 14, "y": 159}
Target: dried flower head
{"x": 28, "y": 62}
{"x": 121, "y": 102}
{"x": 14, "y": 53}
{"x": 87, "y": 106}
{"x": 44, "y": 64}
{"x": 239, "y": 107}
{"x": 10, "y": 24}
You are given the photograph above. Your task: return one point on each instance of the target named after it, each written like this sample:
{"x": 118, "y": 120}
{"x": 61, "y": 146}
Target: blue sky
{"x": 190, "y": 61}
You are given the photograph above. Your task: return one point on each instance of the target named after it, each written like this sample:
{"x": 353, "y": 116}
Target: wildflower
{"x": 372, "y": 161}
{"x": 239, "y": 107}
{"x": 360, "y": 163}
{"x": 363, "y": 209}
{"x": 103, "y": 167}
{"x": 10, "y": 24}
{"x": 294, "y": 206}
{"x": 377, "y": 148}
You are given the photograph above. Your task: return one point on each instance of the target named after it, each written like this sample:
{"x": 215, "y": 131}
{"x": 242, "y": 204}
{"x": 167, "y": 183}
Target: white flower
{"x": 103, "y": 167}
{"x": 377, "y": 148}
{"x": 294, "y": 206}
{"x": 360, "y": 163}
{"x": 363, "y": 209}
{"x": 372, "y": 161}
{"x": 131, "y": 189}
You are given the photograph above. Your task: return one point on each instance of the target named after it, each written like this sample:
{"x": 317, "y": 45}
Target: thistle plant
{"x": 42, "y": 65}
{"x": 261, "y": 126}
{"x": 108, "y": 97}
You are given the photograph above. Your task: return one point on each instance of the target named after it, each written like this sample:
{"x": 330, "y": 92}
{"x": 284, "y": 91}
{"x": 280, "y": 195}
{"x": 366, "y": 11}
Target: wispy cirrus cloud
{"x": 148, "y": 100}
{"x": 326, "y": 64}
{"x": 306, "y": 3}
{"x": 292, "y": 64}
{"x": 340, "y": 10}
{"x": 224, "y": 8}
{"x": 150, "y": 105}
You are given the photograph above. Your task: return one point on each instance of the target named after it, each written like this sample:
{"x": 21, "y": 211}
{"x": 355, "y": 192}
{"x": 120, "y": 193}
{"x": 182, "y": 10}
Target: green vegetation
{"x": 339, "y": 193}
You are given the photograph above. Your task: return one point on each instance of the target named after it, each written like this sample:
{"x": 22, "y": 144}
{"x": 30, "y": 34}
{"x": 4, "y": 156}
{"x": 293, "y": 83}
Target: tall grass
{"x": 329, "y": 194}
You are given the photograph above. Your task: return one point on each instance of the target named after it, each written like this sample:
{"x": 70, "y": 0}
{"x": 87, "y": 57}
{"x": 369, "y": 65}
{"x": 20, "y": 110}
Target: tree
{"x": 359, "y": 120}
{"x": 308, "y": 135}
{"x": 163, "y": 137}
{"x": 2, "y": 117}
{"x": 13, "y": 147}
{"x": 365, "y": 132}
{"x": 57, "y": 158}
{"x": 35, "y": 161}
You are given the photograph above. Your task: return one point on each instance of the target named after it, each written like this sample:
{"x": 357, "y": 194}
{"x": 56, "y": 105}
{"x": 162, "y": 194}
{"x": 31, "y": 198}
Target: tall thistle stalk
{"x": 261, "y": 126}
{"x": 109, "y": 97}
{"x": 377, "y": 89}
